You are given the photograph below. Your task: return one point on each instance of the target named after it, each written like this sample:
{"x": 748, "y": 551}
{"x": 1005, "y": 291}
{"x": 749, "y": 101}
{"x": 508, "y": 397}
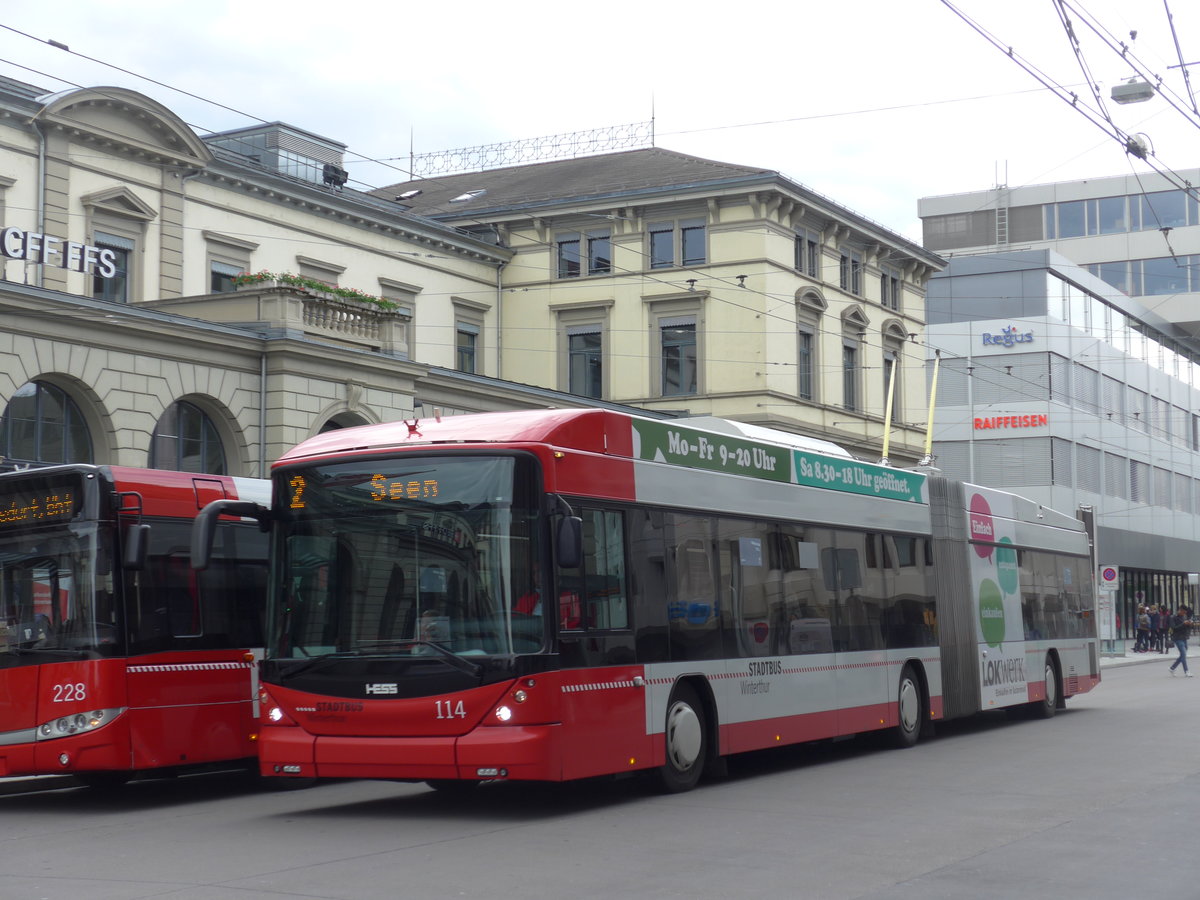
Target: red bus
{"x": 116, "y": 657}
{"x": 553, "y": 595}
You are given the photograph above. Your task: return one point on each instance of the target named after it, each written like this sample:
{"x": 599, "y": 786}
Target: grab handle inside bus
{"x": 206, "y": 524}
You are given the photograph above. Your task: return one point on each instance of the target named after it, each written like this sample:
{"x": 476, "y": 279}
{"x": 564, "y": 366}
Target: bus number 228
{"x": 67, "y": 693}
{"x": 446, "y": 709}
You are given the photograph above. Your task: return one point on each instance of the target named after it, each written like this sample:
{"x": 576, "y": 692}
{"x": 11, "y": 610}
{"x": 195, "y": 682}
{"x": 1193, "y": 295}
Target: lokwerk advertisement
{"x": 738, "y": 456}
{"x": 995, "y": 581}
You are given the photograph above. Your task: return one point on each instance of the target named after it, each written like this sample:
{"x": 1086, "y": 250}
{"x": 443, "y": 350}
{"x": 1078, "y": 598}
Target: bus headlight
{"x": 503, "y": 713}
{"x": 77, "y": 723}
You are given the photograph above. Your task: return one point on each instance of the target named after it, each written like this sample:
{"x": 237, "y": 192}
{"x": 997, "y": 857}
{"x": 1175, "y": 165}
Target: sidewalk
{"x": 1126, "y": 657}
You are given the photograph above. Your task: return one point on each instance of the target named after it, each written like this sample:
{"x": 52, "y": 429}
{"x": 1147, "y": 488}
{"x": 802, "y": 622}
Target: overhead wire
{"x": 676, "y": 283}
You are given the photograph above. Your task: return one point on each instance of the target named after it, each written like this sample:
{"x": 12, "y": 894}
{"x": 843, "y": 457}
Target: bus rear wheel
{"x": 686, "y": 741}
{"x": 908, "y": 710}
{"x": 1048, "y": 705}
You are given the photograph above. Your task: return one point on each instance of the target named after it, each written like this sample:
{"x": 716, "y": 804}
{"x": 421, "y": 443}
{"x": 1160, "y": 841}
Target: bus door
{"x": 196, "y": 636}
{"x": 604, "y": 709}
{"x": 853, "y": 570}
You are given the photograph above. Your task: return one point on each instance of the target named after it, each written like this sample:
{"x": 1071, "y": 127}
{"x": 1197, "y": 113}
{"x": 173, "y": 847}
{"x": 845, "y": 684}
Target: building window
{"x": 599, "y": 253}
{"x": 319, "y": 270}
{"x": 681, "y": 243}
{"x": 116, "y": 287}
{"x": 299, "y": 166}
{"x": 692, "y": 243}
{"x": 805, "y": 364}
{"x": 678, "y": 348}
{"x": 1139, "y": 482}
{"x": 662, "y": 245}
{"x": 568, "y": 256}
{"x": 808, "y": 253}
{"x": 585, "y": 361}
{"x": 43, "y": 425}
{"x": 228, "y": 257}
{"x": 891, "y": 381}
{"x": 850, "y": 272}
{"x": 1166, "y": 209}
{"x": 850, "y": 368}
{"x": 186, "y": 440}
{"x": 221, "y": 277}
{"x": 1165, "y": 275}
{"x": 466, "y": 339}
{"x": 889, "y": 287}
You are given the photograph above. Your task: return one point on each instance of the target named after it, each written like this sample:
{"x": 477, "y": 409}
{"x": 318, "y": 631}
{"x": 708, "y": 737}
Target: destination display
{"x": 26, "y": 507}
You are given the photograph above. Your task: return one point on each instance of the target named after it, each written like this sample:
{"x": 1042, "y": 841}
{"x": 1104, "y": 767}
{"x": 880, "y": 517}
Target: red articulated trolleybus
{"x": 552, "y": 595}
{"x": 116, "y": 657}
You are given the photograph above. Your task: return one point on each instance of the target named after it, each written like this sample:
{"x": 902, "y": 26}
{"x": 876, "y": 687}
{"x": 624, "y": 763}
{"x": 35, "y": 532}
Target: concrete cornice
{"x": 352, "y": 209}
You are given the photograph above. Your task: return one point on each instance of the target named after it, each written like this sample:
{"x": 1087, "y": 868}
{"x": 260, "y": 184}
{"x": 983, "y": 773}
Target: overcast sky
{"x": 873, "y": 103}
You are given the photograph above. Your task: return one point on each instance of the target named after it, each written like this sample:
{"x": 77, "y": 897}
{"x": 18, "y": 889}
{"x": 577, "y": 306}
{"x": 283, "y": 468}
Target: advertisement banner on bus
{"x": 995, "y": 579}
{"x": 738, "y": 456}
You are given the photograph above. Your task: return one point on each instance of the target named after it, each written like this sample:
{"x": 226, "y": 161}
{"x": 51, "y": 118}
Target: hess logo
{"x": 381, "y": 688}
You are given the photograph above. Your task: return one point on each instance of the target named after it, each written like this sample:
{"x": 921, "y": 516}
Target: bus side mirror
{"x": 136, "y": 539}
{"x": 569, "y": 542}
{"x": 205, "y": 525}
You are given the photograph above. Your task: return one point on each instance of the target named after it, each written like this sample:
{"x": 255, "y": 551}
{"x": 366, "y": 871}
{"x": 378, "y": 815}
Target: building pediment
{"x": 855, "y": 317}
{"x": 124, "y": 120}
{"x": 121, "y": 202}
{"x": 894, "y": 329}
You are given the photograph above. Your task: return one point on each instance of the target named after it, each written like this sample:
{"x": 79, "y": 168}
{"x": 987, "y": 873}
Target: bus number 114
{"x": 446, "y": 709}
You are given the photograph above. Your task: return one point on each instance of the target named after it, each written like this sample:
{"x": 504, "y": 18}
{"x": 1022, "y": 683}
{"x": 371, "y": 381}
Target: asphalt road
{"x": 1103, "y": 801}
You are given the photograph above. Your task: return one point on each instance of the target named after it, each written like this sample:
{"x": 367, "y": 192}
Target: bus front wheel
{"x": 686, "y": 741}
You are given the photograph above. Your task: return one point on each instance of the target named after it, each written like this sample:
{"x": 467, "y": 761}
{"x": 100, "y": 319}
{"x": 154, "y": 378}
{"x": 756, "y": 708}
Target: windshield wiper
{"x": 450, "y": 656}
{"x": 314, "y": 661}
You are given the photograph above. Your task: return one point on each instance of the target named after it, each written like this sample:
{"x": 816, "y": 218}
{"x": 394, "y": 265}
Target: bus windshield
{"x": 56, "y": 597}
{"x": 411, "y": 555}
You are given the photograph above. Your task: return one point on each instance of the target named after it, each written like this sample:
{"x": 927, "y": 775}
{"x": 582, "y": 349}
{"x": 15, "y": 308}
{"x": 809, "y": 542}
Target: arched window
{"x": 186, "y": 440}
{"x": 43, "y": 425}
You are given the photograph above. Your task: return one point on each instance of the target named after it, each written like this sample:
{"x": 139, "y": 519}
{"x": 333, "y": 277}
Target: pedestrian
{"x": 1164, "y": 629}
{"x": 1155, "y": 625}
{"x": 1181, "y": 630}
{"x": 1142, "y": 644}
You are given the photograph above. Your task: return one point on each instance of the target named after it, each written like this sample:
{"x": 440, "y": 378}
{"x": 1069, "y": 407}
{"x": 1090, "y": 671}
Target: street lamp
{"x": 1132, "y": 90}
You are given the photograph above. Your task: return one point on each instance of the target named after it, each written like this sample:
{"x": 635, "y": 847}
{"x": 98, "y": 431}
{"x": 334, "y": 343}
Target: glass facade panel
{"x": 1164, "y": 209}
{"x": 1111, "y": 215}
{"x": 1071, "y": 222}
{"x": 1163, "y": 276}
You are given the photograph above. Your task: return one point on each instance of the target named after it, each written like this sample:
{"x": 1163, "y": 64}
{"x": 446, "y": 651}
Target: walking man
{"x": 1181, "y": 630}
